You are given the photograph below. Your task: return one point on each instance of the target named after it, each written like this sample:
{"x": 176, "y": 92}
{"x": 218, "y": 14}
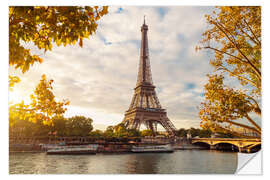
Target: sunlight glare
{"x": 15, "y": 97}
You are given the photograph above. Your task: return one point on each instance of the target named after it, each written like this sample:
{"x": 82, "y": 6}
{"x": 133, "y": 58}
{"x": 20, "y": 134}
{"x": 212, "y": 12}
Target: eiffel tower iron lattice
{"x": 145, "y": 107}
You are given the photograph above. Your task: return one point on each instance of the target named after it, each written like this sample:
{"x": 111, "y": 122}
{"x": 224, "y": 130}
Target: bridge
{"x": 243, "y": 144}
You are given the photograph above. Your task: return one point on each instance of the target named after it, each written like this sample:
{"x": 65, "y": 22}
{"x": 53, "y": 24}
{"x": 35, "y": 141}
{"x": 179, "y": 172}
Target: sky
{"x": 99, "y": 78}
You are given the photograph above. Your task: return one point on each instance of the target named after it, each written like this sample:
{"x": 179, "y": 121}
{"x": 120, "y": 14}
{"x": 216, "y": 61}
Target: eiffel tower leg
{"x": 146, "y": 123}
{"x": 139, "y": 126}
{"x": 130, "y": 123}
{"x": 152, "y": 127}
{"x": 169, "y": 127}
{"x": 136, "y": 124}
{"x": 126, "y": 123}
{"x": 155, "y": 126}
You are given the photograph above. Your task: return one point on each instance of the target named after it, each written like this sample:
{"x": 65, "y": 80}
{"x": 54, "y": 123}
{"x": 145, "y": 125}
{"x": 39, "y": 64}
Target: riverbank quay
{"x": 188, "y": 147}
{"x": 110, "y": 145}
{"x": 116, "y": 147}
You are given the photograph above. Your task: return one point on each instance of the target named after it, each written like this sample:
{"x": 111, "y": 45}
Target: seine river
{"x": 179, "y": 162}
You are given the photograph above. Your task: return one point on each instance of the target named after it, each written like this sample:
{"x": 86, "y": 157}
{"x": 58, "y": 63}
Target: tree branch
{"x": 244, "y": 126}
{"x": 223, "y": 52}
{"x": 252, "y": 32}
{"x": 259, "y": 109}
{"x": 222, "y": 29}
{"x": 241, "y": 77}
{"x": 235, "y": 133}
{"x": 245, "y": 33}
{"x": 253, "y": 122}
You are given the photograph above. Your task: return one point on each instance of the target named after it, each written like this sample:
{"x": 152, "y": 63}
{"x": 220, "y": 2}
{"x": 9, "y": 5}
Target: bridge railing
{"x": 229, "y": 139}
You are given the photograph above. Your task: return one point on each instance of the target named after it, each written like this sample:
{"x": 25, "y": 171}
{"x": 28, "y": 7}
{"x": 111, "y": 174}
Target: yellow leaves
{"x": 37, "y": 58}
{"x": 43, "y": 77}
{"x": 223, "y": 104}
{"x": 33, "y": 119}
{"x": 12, "y": 81}
{"x": 104, "y": 10}
{"x": 58, "y": 42}
{"x": 44, "y": 25}
{"x": 97, "y": 17}
{"x": 11, "y": 10}
{"x": 233, "y": 32}
{"x": 43, "y": 104}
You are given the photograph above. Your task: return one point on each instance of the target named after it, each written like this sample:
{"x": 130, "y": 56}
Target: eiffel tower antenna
{"x": 144, "y": 19}
{"x": 145, "y": 107}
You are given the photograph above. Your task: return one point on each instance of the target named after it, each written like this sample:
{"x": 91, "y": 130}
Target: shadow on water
{"x": 179, "y": 162}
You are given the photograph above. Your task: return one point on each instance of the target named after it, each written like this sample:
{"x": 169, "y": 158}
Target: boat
{"x": 152, "y": 149}
{"x": 71, "y": 149}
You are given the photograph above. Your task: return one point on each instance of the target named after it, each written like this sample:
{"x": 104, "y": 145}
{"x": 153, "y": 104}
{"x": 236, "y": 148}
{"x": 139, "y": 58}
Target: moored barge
{"x": 152, "y": 149}
{"x": 78, "y": 149}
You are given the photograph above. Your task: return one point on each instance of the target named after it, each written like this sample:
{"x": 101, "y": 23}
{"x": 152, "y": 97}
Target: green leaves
{"x": 79, "y": 126}
{"x": 74, "y": 126}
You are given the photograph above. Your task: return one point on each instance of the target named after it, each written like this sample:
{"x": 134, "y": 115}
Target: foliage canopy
{"x": 234, "y": 35}
{"x": 45, "y": 25}
{"x": 43, "y": 105}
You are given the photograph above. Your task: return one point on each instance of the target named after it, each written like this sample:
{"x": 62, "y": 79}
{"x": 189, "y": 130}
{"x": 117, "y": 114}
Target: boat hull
{"x": 70, "y": 153}
{"x": 152, "y": 149}
{"x": 168, "y": 151}
{"x": 72, "y": 150}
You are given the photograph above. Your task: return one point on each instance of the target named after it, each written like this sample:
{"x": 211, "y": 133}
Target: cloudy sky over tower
{"x": 99, "y": 78}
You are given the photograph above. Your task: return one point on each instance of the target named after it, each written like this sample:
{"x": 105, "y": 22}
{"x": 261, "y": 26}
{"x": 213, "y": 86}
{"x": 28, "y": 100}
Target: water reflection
{"x": 179, "y": 162}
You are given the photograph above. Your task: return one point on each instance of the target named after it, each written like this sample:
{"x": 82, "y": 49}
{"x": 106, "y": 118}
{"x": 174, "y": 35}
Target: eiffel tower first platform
{"x": 145, "y": 107}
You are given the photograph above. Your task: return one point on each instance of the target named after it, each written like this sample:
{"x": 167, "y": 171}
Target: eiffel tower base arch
{"x": 136, "y": 117}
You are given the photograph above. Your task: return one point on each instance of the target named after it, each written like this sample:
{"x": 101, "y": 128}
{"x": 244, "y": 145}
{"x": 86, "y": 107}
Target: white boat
{"x": 78, "y": 149}
{"x": 152, "y": 148}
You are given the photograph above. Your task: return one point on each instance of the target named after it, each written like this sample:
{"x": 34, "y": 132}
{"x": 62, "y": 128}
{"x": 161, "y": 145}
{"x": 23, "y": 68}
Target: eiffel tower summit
{"x": 145, "y": 107}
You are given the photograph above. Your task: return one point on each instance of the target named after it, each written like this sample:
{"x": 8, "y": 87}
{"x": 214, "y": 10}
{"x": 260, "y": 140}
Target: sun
{"x": 17, "y": 97}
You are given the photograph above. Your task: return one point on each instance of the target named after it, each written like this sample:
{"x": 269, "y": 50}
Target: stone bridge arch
{"x": 241, "y": 144}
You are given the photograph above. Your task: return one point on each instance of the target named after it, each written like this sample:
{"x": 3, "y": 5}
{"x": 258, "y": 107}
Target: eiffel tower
{"x": 145, "y": 107}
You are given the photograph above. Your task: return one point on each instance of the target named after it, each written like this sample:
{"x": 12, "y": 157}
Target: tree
{"x": 147, "y": 132}
{"x": 43, "y": 106}
{"x": 60, "y": 126}
{"x": 109, "y": 132}
{"x": 194, "y": 132}
{"x": 12, "y": 81}
{"x": 79, "y": 126}
{"x": 133, "y": 133}
{"x": 182, "y": 132}
{"x": 120, "y": 131}
{"x": 45, "y": 26}
{"x": 205, "y": 133}
{"x": 25, "y": 128}
{"x": 97, "y": 133}
{"x": 234, "y": 35}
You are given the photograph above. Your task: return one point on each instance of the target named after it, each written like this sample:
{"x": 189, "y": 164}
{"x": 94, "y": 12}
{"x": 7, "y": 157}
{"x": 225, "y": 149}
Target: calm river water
{"x": 179, "y": 162}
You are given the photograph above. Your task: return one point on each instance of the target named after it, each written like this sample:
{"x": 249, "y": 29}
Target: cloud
{"x": 100, "y": 77}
